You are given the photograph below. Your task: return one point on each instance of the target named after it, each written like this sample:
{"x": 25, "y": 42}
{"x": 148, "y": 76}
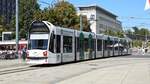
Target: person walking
{"x": 24, "y": 54}
{"x": 143, "y": 51}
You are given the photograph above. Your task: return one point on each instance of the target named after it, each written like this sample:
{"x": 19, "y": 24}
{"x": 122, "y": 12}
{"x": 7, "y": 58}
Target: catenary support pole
{"x": 17, "y": 27}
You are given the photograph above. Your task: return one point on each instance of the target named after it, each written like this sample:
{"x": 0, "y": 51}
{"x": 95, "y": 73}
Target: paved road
{"x": 12, "y": 63}
{"x": 117, "y": 70}
{"x": 136, "y": 72}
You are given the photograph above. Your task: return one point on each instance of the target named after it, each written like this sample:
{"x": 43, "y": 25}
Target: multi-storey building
{"x": 7, "y": 9}
{"x": 100, "y": 19}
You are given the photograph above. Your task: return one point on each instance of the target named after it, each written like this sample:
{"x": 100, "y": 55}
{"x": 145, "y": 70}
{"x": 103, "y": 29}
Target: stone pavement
{"x": 138, "y": 73}
{"x": 133, "y": 69}
{"x": 11, "y": 63}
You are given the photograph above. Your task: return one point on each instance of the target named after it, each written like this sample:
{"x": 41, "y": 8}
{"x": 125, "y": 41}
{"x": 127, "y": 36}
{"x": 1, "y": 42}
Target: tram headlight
{"x": 45, "y": 53}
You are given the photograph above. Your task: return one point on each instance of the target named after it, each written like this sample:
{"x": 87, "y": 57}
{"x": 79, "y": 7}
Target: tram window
{"x": 67, "y": 44}
{"x": 99, "y": 45}
{"x": 51, "y": 45}
{"x": 111, "y": 42}
{"x": 93, "y": 45}
{"x": 86, "y": 44}
{"x": 110, "y": 46}
{"x": 58, "y": 46}
{"x": 130, "y": 44}
{"x": 38, "y": 44}
{"x": 78, "y": 44}
{"x": 105, "y": 45}
{"x": 116, "y": 47}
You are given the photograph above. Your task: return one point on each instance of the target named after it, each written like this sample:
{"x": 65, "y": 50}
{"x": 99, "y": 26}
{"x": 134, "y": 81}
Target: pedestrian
{"x": 24, "y": 54}
{"x": 143, "y": 51}
{"x": 146, "y": 50}
{"x": 139, "y": 50}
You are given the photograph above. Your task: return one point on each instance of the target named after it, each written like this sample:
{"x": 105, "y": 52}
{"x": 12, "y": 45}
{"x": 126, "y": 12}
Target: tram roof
{"x": 86, "y": 34}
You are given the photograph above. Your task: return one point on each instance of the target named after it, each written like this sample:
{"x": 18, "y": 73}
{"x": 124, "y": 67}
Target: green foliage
{"x": 148, "y": 43}
{"x": 128, "y": 31}
{"x": 142, "y": 31}
{"x": 26, "y": 15}
{"x": 120, "y": 34}
{"x": 27, "y": 11}
{"x": 2, "y": 27}
{"x": 63, "y": 14}
{"x": 112, "y": 33}
{"x": 136, "y": 30}
{"x": 137, "y": 43}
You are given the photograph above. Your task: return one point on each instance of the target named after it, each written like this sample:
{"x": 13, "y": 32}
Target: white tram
{"x": 49, "y": 44}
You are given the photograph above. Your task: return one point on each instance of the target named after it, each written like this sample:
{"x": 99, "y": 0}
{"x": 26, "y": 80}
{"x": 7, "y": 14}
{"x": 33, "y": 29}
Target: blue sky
{"x": 124, "y": 9}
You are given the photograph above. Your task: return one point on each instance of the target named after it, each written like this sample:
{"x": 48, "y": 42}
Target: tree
{"x": 128, "y": 31}
{"x": 85, "y": 24}
{"x": 27, "y": 11}
{"x": 26, "y": 14}
{"x": 2, "y": 27}
{"x": 63, "y": 14}
{"x": 144, "y": 31}
{"x": 120, "y": 34}
{"x": 110, "y": 32}
{"x": 137, "y": 43}
{"x": 136, "y": 30}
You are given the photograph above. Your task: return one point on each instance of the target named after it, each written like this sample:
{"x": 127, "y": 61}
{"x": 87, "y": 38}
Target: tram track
{"x": 95, "y": 66}
{"x": 17, "y": 70}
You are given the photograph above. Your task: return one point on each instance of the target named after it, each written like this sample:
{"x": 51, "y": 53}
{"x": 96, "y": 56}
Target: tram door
{"x": 81, "y": 44}
{"x": 106, "y": 48}
{"x": 108, "y": 43}
{"x": 90, "y": 46}
{"x": 103, "y": 48}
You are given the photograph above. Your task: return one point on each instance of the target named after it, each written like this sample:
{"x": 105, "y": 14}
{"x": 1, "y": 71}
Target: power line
{"x": 44, "y": 2}
{"x": 134, "y": 18}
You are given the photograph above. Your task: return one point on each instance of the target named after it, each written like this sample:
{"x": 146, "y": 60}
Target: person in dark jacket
{"x": 24, "y": 54}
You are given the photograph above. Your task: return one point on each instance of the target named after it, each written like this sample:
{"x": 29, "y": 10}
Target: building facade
{"x": 100, "y": 19}
{"x": 7, "y": 10}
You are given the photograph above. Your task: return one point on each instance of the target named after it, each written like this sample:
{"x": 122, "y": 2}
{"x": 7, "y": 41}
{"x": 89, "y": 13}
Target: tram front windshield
{"x": 38, "y": 44}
